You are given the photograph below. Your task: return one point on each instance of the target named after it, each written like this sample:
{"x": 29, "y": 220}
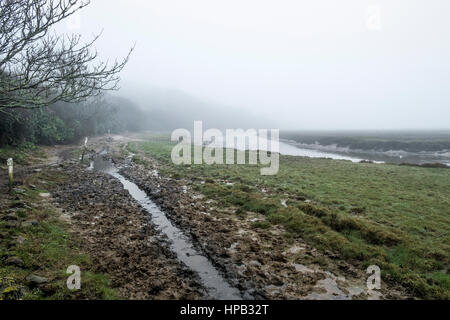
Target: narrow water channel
{"x": 216, "y": 286}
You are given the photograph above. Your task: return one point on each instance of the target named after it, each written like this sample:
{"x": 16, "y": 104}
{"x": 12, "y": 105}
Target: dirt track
{"x": 262, "y": 263}
{"x": 124, "y": 244}
{"x": 112, "y": 228}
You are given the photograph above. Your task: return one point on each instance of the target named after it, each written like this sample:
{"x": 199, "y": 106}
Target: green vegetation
{"x": 24, "y": 154}
{"x": 379, "y": 141}
{"x": 66, "y": 122}
{"x": 47, "y": 249}
{"x": 393, "y": 216}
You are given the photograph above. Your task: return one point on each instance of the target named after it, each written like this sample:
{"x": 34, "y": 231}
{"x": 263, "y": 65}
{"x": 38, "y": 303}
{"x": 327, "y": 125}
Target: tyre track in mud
{"x": 262, "y": 264}
{"x": 216, "y": 287}
{"x": 123, "y": 243}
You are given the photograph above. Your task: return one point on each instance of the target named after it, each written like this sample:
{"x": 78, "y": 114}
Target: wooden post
{"x": 10, "y": 164}
{"x": 84, "y": 149}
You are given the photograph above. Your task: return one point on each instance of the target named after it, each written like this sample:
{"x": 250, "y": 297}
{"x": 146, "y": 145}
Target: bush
{"x": 67, "y": 123}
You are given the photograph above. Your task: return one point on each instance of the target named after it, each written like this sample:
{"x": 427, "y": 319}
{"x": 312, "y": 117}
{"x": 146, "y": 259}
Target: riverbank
{"x": 60, "y": 214}
{"x": 409, "y": 147}
{"x": 358, "y": 213}
{"x": 308, "y": 233}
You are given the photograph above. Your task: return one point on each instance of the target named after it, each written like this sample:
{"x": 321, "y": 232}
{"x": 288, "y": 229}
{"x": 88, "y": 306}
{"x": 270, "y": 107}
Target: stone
{"x": 15, "y": 261}
{"x": 35, "y": 280}
{"x": 255, "y": 263}
{"x": 11, "y": 244}
{"x": 19, "y": 190}
{"x": 48, "y": 289}
{"x": 30, "y": 223}
{"x": 18, "y": 205}
{"x": 156, "y": 286}
{"x": 13, "y": 293}
{"x": 45, "y": 195}
{"x": 12, "y": 224}
{"x": 20, "y": 240}
{"x": 10, "y": 217}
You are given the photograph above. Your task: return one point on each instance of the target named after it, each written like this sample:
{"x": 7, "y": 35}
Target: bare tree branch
{"x": 39, "y": 67}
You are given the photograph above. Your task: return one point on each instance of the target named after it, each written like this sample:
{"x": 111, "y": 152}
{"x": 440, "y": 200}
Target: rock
{"x": 37, "y": 170}
{"x": 255, "y": 263}
{"x": 13, "y": 293}
{"x": 135, "y": 237}
{"x": 45, "y": 195}
{"x": 156, "y": 286}
{"x": 10, "y": 217}
{"x": 19, "y": 190}
{"x": 18, "y": 205}
{"x": 15, "y": 261}
{"x": 276, "y": 281}
{"x": 48, "y": 289}
{"x": 19, "y": 240}
{"x": 11, "y": 244}
{"x": 12, "y": 224}
{"x": 32, "y": 186}
{"x": 35, "y": 280}
{"x": 30, "y": 223}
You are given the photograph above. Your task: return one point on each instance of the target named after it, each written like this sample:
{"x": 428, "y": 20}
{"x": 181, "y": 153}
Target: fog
{"x": 322, "y": 64}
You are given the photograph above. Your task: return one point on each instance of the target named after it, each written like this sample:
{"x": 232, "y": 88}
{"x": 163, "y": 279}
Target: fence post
{"x": 10, "y": 164}
{"x": 84, "y": 149}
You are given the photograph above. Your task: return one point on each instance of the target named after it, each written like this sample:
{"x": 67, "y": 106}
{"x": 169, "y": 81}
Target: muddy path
{"x": 123, "y": 242}
{"x": 261, "y": 263}
{"x": 110, "y": 226}
{"x": 196, "y": 268}
{"x": 179, "y": 242}
{"x": 157, "y": 238}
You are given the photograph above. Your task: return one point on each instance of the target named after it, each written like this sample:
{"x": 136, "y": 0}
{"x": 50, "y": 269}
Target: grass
{"x": 383, "y": 141}
{"x": 393, "y": 216}
{"x": 49, "y": 249}
{"x": 22, "y": 154}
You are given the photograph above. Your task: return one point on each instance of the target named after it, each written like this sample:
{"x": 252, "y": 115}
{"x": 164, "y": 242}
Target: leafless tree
{"x": 39, "y": 67}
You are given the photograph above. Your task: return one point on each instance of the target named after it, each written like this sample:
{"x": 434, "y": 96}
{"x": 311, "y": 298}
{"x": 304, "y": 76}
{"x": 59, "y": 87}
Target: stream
{"x": 216, "y": 286}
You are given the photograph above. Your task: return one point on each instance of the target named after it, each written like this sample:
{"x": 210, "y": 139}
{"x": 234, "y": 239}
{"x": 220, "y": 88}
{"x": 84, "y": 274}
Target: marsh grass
{"x": 49, "y": 249}
{"x": 393, "y": 216}
{"x": 22, "y": 155}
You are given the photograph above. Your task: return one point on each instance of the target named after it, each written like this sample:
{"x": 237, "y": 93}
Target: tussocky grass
{"x": 393, "y": 216}
{"x": 47, "y": 250}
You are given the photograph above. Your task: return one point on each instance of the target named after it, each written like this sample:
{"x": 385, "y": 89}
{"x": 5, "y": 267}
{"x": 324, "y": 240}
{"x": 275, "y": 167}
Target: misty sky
{"x": 317, "y": 64}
